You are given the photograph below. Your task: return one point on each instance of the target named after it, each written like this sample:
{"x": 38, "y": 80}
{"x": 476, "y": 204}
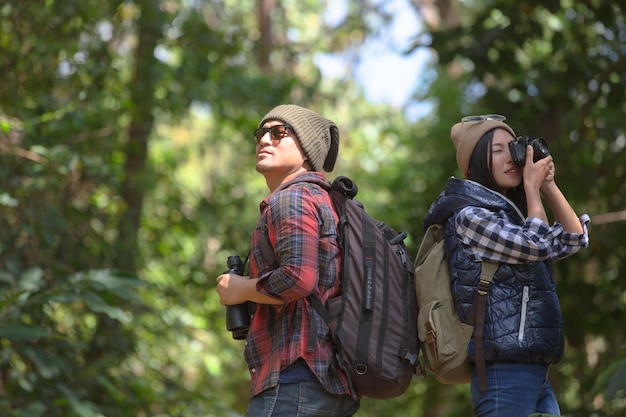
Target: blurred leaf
{"x": 7, "y": 200}
{"x": 31, "y": 280}
{"x": 98, "y": 305}
{"x": 612, "y": 380}
{"x": 23, "y": 332}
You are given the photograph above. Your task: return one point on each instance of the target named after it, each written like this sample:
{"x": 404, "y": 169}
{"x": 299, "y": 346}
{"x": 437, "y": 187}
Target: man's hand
{"x": 230, "y": 288}
{"x": 236, "y": 289}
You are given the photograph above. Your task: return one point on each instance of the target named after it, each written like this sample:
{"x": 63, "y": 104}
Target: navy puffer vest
{"x": 523, "y": 318}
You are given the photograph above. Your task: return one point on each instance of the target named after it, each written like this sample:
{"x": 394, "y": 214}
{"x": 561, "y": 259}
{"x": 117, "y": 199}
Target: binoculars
{"x": 238, "y": 315}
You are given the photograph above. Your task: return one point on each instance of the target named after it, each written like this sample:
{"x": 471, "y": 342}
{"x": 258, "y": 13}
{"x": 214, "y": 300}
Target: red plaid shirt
{"x": 301, "y": 225}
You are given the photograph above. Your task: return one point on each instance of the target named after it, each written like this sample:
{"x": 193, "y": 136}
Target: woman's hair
{"x": 480, "y": 171}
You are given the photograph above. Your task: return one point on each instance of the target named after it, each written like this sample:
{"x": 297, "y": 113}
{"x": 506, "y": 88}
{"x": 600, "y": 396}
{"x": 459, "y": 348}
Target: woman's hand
{"x": 536, "y": 174}
{"x": 549, "y": 178}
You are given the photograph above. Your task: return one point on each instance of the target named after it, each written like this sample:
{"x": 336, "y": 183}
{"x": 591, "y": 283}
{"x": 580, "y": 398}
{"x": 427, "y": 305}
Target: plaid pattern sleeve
{"x": 488, "y": 235}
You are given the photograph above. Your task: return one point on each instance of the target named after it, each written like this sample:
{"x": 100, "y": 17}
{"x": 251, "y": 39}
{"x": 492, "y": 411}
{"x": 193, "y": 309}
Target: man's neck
{"x": 274, "y": 182}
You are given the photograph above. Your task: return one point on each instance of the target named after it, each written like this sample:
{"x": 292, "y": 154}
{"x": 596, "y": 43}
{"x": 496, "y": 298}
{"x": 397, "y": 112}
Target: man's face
{"x": 277, "y": 151}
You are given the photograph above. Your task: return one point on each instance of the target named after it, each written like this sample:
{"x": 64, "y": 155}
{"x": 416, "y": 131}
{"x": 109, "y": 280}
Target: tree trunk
{"x": 137, "y": 179}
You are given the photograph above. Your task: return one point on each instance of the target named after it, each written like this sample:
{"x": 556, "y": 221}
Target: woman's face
{"x": 505, "y": 172}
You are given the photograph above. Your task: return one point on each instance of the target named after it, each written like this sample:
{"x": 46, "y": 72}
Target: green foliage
{"x": 47, "y": 336}
{"x": 612, "y": 381}
{"x": 127, "y": 177}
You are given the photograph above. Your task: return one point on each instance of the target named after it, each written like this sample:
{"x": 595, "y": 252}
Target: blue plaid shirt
{"x": 486, "y": 235}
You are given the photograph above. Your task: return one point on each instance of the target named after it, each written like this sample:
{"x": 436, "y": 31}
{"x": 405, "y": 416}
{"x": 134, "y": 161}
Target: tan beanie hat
{"x": 465, "y": 136}
{"x": 318, "y": 136}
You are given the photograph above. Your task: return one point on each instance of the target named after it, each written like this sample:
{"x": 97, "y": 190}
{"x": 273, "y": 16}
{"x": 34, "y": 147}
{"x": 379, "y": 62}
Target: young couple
{"x": 502, "y": 219}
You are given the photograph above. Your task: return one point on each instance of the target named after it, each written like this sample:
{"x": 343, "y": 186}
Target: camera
{"x": 238, "y": 315}
{"x": 518, "y": 149}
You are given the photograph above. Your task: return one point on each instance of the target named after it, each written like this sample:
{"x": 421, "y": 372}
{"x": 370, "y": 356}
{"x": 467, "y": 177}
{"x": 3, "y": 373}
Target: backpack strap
{"x": 477, "y": 315}
{"x": 266, "y": 248}
{"x": 336, "y": 339}
{"x": 479, "y": 307}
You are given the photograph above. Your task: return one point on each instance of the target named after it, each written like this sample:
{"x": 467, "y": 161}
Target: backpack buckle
{"x": 409, "y": 356}
{"x": 360, "y": 368}
{"x": 483, "y": 287}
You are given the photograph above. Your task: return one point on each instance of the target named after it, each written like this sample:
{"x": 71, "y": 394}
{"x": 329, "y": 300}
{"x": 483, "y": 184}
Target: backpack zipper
{"x": 405, "y": 281}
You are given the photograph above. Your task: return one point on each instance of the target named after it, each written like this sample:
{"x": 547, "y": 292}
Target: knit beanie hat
{"x": 318, "y": 136}
{"x": 465, "y": 136}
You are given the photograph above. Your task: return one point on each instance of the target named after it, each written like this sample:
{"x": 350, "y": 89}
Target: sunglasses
{"x": 482, "y": 118}
{"x": 276, "y": 132}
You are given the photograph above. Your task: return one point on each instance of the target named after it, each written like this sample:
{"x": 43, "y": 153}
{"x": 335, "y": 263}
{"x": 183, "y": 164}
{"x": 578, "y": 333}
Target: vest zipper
{"x": 522, "y": 323}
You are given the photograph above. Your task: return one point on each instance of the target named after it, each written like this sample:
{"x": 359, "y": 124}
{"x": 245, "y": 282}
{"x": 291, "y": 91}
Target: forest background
{"x": 127, "y": 178}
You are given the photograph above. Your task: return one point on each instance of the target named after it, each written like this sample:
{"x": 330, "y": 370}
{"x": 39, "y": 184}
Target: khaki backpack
{"x": 443, "y": 336}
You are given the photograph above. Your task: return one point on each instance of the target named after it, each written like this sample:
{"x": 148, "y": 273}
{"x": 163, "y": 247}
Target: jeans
{"x": 514, "y": 390}
{"x": 301, "y": 399}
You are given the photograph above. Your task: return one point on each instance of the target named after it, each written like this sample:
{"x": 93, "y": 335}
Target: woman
{"x": 496, "y": 214}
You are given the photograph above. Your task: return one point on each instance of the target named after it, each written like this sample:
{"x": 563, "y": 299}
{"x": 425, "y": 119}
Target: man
{"x": 288, "y": 350}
